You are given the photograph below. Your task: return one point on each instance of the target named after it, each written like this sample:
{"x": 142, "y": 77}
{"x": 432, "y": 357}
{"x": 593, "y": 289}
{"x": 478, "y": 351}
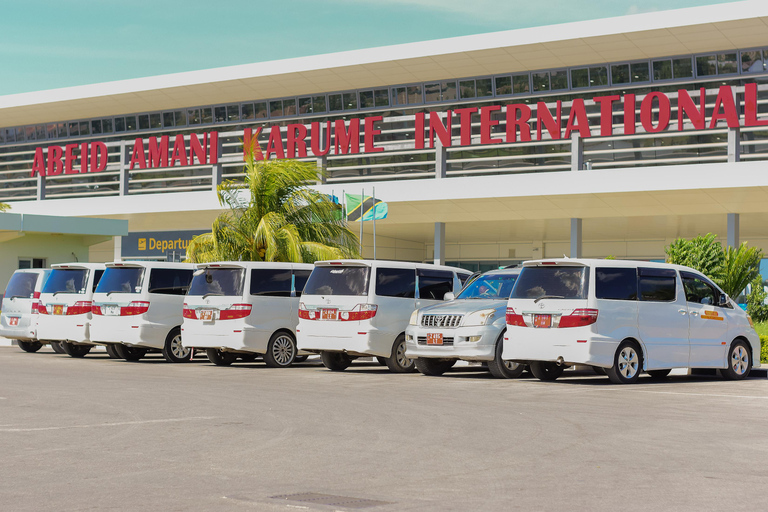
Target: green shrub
{"x": 764, "y": 349}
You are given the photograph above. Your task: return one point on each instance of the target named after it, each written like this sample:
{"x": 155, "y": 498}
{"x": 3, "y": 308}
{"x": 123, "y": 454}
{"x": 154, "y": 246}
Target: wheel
{"x": 398, "y": 362}
{"x": 219, "y": 357}
{"x": 739, "y": 361}
{"x": 504, "y": 369}
{"x": 29, "y": 346}
{"x": 74, "y": 350}
{"x": 658, "y": 374}
{"x": 627, "y": 364}
{"x": 112, "y": 351}
{"x": 173, "y": 350}
{"x": 545, "y": 370}
{"x": 281, "y": 350}
{"x": 336, "y": 361}
{"x": 248, "y": 358}
{"x": 382, "y": 360}
{"x": 56, "y": 346}
{"x": 300, "y": 359}
{"x": 433, "y": 367}
{"x": 130, "y": 353}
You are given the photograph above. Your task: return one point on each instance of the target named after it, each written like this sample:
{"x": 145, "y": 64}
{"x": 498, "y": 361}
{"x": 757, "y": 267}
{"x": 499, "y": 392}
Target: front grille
{"x": 445, "y": 321}
{"x": 423, "y": 340}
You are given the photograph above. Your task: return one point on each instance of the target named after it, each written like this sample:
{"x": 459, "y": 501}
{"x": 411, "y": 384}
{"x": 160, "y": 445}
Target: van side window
{"x": 616, "y": 283}
{"x": 396, "y": 282}
{"x": 299, "y": 280}
{"x": 699, "y": 291}
{"x": 434, "y": 284}
{"x": 463, "y": 277}
{"x": 271, "y": 282}
{"x": 96, "y": 277}
{"x": 169, "y": 281}
{"x": 657, "y": 284}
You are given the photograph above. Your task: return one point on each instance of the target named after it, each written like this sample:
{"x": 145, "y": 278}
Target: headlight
{"x": 414, "y": 318}
{"x": 482, "y": 317}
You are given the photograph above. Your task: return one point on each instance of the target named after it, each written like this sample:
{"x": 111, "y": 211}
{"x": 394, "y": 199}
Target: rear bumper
{"x": 18, "y": 333}
{"x": 462, "y": 348}
{"x": 575, "y": 346}
{"x": 317, "y": 336}
{"x": 129, "y": 331}
{"x": 64, "y": 328}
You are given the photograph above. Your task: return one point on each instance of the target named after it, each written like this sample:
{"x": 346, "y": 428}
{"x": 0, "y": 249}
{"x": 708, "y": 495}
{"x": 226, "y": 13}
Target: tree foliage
{"x": 4, "y": 207}
{"x": 740, "y": 266}
{"x": 756, "y": 306}
{"x": 275, "y": 216}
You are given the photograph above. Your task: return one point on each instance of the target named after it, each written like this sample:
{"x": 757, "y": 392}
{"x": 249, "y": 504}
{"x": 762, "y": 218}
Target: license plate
{"x": 58, "y": 309}
{"x": 434, "y": 338}
{"x": 543, "y": 321}
{"x": 205, "y": 315}
{"x": 13, "y": 320}
{"x": 111, "y": 310}
{"x": 329, "y": 314}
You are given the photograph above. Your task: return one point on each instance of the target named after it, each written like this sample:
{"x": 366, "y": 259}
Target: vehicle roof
{"x": 32, "y": 270}
{"x": 78, "y": 265}
{"x": 503, "y": 271}
{"x": 594, "y": 262}
{"x": 255, "y": 264}
{"x": 150, "y": 264}
{"x": 389, "y": 263}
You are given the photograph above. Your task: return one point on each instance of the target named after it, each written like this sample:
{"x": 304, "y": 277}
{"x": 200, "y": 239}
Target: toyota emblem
{"x": 541, "y": 305}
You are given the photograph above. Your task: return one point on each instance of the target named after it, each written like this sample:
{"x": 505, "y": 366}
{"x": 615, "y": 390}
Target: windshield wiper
{"x": 19, "y": 296}
{"x": 212, "y": 293}
{"x": 548, "y": 297}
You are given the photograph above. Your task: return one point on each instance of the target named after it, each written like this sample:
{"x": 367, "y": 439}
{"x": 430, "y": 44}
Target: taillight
{"x": 39, "y": 308}
{"x": 80, "y": 308}
{"x": 188, "y": 312}
{"x": 235, "y": 311}
{"x": 359, "y": 312}
{"x": 96, "y": 310}
{"x": 136, "y": 307}
{"x": 514, "y": 319}
{"x": 579, "y": 318}
{"x": 36, "y": 295}
{"x": 304, "y": 312}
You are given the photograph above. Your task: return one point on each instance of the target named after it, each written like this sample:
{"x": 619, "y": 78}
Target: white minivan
{"x": 18, "y": 320}
{"x": 244, "y": 309}
{"x": 623, "y": 318}
{"x": 65, "y": 306}
{"x": 353, "y": 308}
{"x": 137, "y": 307}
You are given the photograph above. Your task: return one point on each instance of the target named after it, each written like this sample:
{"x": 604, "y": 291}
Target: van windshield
{"x": 492, "y": 286}
{"x": 218, "y": 281}
{"x": 66, "y": 281}
{"x": 555, "y": 282}
{"x": 22, "y": 284}
{"x": 121, "y": 280}
{"x": 338, "y": 280}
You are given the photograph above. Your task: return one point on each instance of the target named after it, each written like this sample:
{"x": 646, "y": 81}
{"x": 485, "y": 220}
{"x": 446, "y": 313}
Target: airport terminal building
{"x": 606, "y": 137}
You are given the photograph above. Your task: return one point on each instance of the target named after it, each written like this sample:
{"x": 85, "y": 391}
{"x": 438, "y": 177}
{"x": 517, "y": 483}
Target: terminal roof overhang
{"x": 15, "y": 225}
{"x": 640, "y": 36}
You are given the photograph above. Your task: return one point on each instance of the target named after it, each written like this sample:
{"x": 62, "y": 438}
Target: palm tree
{"x": 275, "y": 216}
{"x": 4, "y": 207}
{"x": 740, "y": 266}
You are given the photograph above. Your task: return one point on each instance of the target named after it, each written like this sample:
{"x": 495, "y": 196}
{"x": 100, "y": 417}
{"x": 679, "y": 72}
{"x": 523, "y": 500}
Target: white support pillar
{"x": 124, "y": 174}
{"x": 577, "y": 152}
{"x": 733, "y": 230}
{"x": 40, "y": 187}
{"x": 441, "y": 160}
{"x": 118, "y": 248}
{"x": 734, "y": 144}
{"x": 322, "y": 164}
{"x": 439, "y": 243}
{"x": 217, "y": 169}
{"x": 575, "y": 238}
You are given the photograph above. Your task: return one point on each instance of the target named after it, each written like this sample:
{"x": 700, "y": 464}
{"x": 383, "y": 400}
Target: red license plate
{"x": 434, "y": 338}
{"x": 13, "y": 320}
{"x": 206, "y": 314}
{"x": 543, "y": 321}
{"x": 58, "y": 309}
{"x": 329, "y": 314}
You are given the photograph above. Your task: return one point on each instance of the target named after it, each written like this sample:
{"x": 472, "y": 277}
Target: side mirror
{"x": 449, "y": 296}
{"x": 723, "y": 301}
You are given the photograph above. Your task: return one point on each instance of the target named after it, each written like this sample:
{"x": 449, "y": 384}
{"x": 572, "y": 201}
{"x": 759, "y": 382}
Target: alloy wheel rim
{"x": 628, "y": 362}
{"x": 177, "y": 349}
{"x": 283, "y": 350}
{"x": 739, "y": 360}
{"x": 402, "y": 360}
{"x": 511, "y": 365}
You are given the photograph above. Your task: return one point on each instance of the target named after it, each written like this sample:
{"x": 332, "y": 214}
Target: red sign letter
{"x": 725, "y": 100}
{"x": 99, "y": 156}
{"x": 629, "y": 114}
{"x": 275, "y": 144}
{"x": 315, "y": 139}
{"x": 686, "y": 107}
{"x": 38, "y": 164}
{"x": 544, "y": 117}
{"x": 84, "y": 157}
{"x": 197, "y": 150}
{"x": 443, "y": 131}
{"x": 646, "y": 112}
{"x": 55, "y": 165}
{"x": 514, "y": 123}
{"x": 418, "y": 132}
{"x": 577, "y": 119}
{"x": 137, "y": 157}
{"x": 179, "y": 151}
{"x": 750, "y": 107}
{"x": 465, "y": 122}
{"x": 606, "y": 113}
{"x": 69, "y": 158}
{"x": 370, "y": 132}
{"x": 347, "y": 142}
{"x": 158, "y": 153}
{"x": 296, "y": 135}
{"x": 486, "y": 123}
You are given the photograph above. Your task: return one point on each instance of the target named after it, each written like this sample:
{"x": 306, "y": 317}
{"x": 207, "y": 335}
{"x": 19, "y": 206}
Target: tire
{"x": 56, "y": 346}
{"x": 281, "y": 350}
{"x": 545, "y": 370}
{"x": 398, "y": 362}
{"x": 434, "y": 367}
{"x": 29, "y": 346}
{"x": 627, "y": 364}
{"x": 658, "y": 374}
{"x": 73, "y": 350}
{"x": 739, "y": 361}
{"x": 504, "y": 369}
{"x": 132, "y": 354}
{"x": 300, "y": 359}
{"x": 173, "y": 350}
{"x": 219, "y": 357}
{"x": 112, "y": 351}
{"x": 381, "y": 360}
{"x": 335, "y": 361}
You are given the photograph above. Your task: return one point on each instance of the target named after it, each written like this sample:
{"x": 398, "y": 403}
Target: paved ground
{"x": 101, "y": 434}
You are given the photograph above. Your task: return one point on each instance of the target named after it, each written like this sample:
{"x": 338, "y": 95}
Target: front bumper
{"x": 456, "y": 344}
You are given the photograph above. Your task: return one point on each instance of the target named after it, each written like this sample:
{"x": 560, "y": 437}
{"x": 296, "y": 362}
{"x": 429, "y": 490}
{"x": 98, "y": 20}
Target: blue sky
{"x": 48, "y": 44}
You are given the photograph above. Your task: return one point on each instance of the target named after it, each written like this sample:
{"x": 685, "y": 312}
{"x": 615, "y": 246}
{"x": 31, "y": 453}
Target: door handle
{"x": 694, "y": 313}
{"x": 682, "y": 311}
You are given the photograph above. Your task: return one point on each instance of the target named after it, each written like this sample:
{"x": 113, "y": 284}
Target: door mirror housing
{"x": 449, "y": 296}
{"x": 723, "y": 300}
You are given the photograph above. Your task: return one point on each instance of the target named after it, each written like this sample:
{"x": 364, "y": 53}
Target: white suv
{"x": 20, "y": 302}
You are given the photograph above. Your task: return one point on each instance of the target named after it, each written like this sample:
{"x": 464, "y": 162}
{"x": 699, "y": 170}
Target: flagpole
{"x": 362, "y": 203}
{"x": 373, "y": 196}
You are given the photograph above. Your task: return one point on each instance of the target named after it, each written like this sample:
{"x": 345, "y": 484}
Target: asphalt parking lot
{"x": 101, "y": 434}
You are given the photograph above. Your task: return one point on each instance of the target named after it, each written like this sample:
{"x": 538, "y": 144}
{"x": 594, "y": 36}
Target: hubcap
{"x": 628, "y": 362}
{"x": 739, "y": 360}
{"x": 401, "y": 359}
{"x": 283, "y": 350}
{"x": 511, "y": 365}
{"x": 177, "y": 349}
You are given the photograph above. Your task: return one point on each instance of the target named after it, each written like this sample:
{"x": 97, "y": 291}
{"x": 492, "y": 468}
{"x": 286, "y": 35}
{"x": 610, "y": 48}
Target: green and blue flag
{"x": 359, "y": 206}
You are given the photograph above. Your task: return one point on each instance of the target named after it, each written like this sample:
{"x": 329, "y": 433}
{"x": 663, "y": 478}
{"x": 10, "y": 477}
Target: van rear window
{"x": 556, "y": 282}
{"x": 338, "y": 280}
{"x": 22, "y": 284}
{"x": 218, "y": 281}
{"x": 121, "y": 280}
{"x": 66, "y": 281}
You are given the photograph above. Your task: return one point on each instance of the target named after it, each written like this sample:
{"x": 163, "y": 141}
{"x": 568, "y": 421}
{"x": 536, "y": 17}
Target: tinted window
{"x": 218, "y": 281}
{"x": 66, "y": 281}
{"x": 552, "y": 281}
{"x": 396, "y": 282}
{"x": 338, "y": 280}
{"x": 463, "y": 277}
{"x": 22, "y": 284}
{"x": 300, "y": 280}
{"x": 490, "y": 286}
{"x": 169, "y": 281}
{"x": 434, "y": 284}
{"x": 96, "y": 278}
{"x": 616, "y": 283}
{"x": 657, "y": 285}
{"x": 699, "y": 291}
{"x": 271, "y": 281}
{"x": 121, "y": 280}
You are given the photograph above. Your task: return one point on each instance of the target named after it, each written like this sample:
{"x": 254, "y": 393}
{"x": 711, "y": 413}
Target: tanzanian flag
{"x": 358, "y": 206}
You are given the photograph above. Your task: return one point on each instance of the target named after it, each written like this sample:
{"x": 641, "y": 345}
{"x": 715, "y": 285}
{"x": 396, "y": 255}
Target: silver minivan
{"x": 18, "y": 320}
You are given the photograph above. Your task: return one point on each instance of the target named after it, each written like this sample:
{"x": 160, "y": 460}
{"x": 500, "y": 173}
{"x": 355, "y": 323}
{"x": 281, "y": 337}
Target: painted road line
{"x": 116, "y": 424}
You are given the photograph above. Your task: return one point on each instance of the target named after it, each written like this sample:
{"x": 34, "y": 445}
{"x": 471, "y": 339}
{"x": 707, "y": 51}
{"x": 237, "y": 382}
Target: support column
{"x": 733, "y": 230}
{"x": 40, "y": 187}
{"x": 322, "y": 163}
{"x": 734, "y": 144}
{"x": 439, "y": 243}
{"x": 575, "y": 238}
{"x": 124, "y": 174}
{"x": 217, "y": 169}
{"x": 118, "y": 248}
{"x": 577, "y": 152}
{"x": 441, "y": 160}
